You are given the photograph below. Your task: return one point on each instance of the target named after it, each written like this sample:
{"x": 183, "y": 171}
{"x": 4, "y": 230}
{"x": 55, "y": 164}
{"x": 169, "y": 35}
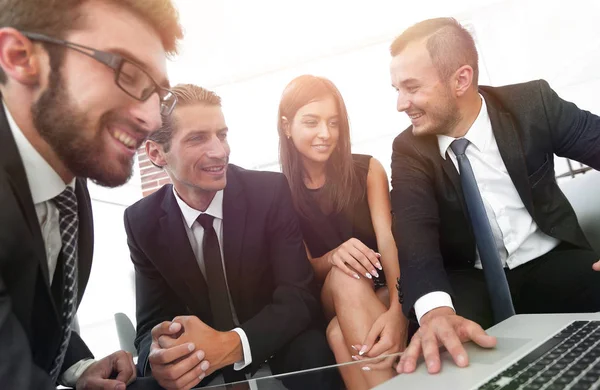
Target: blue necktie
{"x": 66, "y": 203}
{"x": 495, "y": 278}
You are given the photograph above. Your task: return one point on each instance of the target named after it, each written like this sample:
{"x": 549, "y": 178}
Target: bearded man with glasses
{"x": 82, "y": 85}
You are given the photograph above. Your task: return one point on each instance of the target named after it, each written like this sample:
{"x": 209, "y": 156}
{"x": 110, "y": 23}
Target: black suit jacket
{"x": 268, "y": 273}
{"x": 30, "y": 324}
{"x": 531, "y": 124}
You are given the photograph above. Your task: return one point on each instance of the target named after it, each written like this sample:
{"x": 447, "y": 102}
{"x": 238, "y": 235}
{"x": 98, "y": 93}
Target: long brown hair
{"x": 341, "y": 187}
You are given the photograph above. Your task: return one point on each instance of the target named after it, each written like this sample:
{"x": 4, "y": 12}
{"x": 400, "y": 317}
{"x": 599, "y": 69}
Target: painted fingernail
{"x": 378, "y": 265}
{"x": 362, "y": 350}
{"x": 354, "y": 348}
{"x": 354, "y": 357}
{"x": 368, "y": 275}
{"x": 191, "y": 347}
{"x": 378, "y": 254}
{"x": 375, "y": 273}
{"x": 356, "y": 276}
{"x": 204, "y": 365}
{"x": 366, "y": 368}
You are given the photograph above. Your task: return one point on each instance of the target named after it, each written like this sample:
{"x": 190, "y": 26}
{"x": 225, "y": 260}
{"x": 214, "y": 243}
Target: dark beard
{"x": 65, "y": 129}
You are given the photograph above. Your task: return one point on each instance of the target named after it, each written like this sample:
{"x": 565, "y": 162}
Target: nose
{"x": 147, "y": 114}
{"x": 403, "y": 103}
{"x": 323, "y": 131}
{"x": 217, "y": 149}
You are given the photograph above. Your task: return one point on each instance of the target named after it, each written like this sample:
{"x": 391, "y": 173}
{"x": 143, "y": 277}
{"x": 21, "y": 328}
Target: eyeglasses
{"x": 129, "y": 77}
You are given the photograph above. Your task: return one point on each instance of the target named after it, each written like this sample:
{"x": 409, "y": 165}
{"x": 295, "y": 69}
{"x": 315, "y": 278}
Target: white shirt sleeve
{"x": 247, "y": 355}
{"x": 431, "y": 301}
{"x": 70, "y": 377}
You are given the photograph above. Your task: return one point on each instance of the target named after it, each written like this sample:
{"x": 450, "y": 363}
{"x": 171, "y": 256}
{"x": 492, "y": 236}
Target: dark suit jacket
{"x": 30, "y": 324}
{"x": 531, "y": 124}
{"x": 268, "y": 273}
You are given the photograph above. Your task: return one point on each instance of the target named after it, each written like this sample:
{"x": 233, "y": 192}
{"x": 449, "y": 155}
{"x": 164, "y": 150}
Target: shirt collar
{"x": 215, "y": 208}
{"x": 44, "y": 182}
{"x": 479, "y": 134}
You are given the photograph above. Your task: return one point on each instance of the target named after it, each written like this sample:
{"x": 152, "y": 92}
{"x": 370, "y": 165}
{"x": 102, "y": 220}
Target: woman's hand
{"x": 388, "y": 335}
{"x": 354, "y": 258}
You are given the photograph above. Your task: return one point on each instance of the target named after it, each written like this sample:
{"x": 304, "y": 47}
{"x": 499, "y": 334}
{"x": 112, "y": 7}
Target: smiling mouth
{"x": 214, "y": 169}
{"x": 415, "y": 115}
{"x": 124, "y": 138}
{"x": 321, "y": 147}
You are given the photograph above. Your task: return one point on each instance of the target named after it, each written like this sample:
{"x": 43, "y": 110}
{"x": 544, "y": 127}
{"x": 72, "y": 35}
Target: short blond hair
{"x": 56, "y": 17}
{"x": 187, "y": 95}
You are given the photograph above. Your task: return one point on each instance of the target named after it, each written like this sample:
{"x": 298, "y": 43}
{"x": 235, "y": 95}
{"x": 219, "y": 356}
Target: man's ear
{"x": 20, "y": 59}
{"x": 462, "y": 80}
{"x": 156, "y": 154}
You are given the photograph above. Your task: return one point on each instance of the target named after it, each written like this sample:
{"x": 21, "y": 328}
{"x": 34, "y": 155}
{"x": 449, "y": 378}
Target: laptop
{"x": 534, "y": 351}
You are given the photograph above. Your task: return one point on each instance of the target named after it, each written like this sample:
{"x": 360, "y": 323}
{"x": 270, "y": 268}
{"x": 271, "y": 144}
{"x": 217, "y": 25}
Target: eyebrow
{"x": 126, "y": 54}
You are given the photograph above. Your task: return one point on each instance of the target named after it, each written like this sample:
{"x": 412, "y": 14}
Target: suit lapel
{"x": 86, "y": 236}
{"x": 234, "y": 226}
{"x": 179, "y": 254}
{"x": 511, "y": 149}
{"x": 12, "y": 164}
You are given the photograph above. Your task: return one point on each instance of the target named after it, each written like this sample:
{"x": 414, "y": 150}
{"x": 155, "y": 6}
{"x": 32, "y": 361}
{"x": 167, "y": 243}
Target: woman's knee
{"x": 346, "y": 287}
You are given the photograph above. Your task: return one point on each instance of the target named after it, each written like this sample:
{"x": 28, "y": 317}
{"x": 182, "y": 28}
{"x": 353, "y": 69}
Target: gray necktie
{"x": 66, "y": 202}
{"x": 493, "y": 271}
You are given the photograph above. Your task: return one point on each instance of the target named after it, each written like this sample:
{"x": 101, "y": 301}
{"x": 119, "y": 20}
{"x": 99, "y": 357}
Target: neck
{"x": 469, "y": 111}
{"x": 314, "y": 174}
{"x": 194, "y": 197}
{"x": 19, "y": 106}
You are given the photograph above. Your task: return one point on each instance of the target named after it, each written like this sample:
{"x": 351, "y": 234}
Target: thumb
{"x": 483, "y": 339}
{"x": 371, "y": 337}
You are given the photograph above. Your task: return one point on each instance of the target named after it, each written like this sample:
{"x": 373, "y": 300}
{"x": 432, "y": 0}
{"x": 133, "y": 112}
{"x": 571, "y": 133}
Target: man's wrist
{"x": 233, "y": 347}
{"x": 437, "y": 312}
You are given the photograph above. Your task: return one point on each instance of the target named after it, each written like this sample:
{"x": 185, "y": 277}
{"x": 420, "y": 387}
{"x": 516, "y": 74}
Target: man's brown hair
{"x": 56, "y": 17}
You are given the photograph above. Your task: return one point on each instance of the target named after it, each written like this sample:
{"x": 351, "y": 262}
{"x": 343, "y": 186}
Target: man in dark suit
{"x": 220, "y": 263}
{"x": 476, "y": 171}
{"x": 65, "y": 117}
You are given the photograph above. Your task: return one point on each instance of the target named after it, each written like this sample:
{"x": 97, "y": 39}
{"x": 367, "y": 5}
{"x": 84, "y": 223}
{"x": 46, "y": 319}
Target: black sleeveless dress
{"x": 324, "y": 232}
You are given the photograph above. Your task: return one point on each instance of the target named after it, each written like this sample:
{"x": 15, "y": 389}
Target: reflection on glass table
{"x": 296, "y": 380}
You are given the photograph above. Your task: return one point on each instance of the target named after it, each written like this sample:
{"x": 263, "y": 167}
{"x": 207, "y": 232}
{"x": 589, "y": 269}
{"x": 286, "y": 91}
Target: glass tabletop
{"x": 299, "y": 379}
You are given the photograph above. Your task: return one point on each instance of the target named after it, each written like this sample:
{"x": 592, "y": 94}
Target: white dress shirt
{"x": 517, "y": 236}
{"x": 195, "y": 233}
{"x": 45, "y": 184}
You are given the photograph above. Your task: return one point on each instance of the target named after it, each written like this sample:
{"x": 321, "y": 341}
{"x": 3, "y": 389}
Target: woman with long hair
{"x": 342, "y": 200}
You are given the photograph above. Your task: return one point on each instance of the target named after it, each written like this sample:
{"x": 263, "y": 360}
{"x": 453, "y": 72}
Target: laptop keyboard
{"x": 569, "y": 360}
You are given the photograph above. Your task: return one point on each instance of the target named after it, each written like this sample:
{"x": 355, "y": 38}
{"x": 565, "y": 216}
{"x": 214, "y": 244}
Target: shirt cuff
{"x": 431, "y": 301}
{"x": 247, "y": 355}
{"x": 71, "y": 376}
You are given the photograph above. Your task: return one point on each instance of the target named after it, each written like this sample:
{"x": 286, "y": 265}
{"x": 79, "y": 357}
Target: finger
{"x": 194, "y": 382}
{"x": 371, "y": 338}
{"x": 178, "y": 370}
{"x": 184, "y": 375}
{"x": 382, "y": 364}
{"x": 339, "y": 262}
{"x": 469, "y": 330}
{"x": 169, "y": 355}
{"x": 596, "y": 266}
{"x": 449, "y": 339}
{"x": 123, "y": 365}
{"x": 168, "y": 342}
{"x": 383, "y": 345}
{"x": 431, "y": 350}
{"x": 408, "y": 361}
{"x": 371, "y": 256}
{"x": 355, "y": 265}
{"x": 103, "y": 384}
{"x": 364, "y": 262}
{"x": 165, "y": 328}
